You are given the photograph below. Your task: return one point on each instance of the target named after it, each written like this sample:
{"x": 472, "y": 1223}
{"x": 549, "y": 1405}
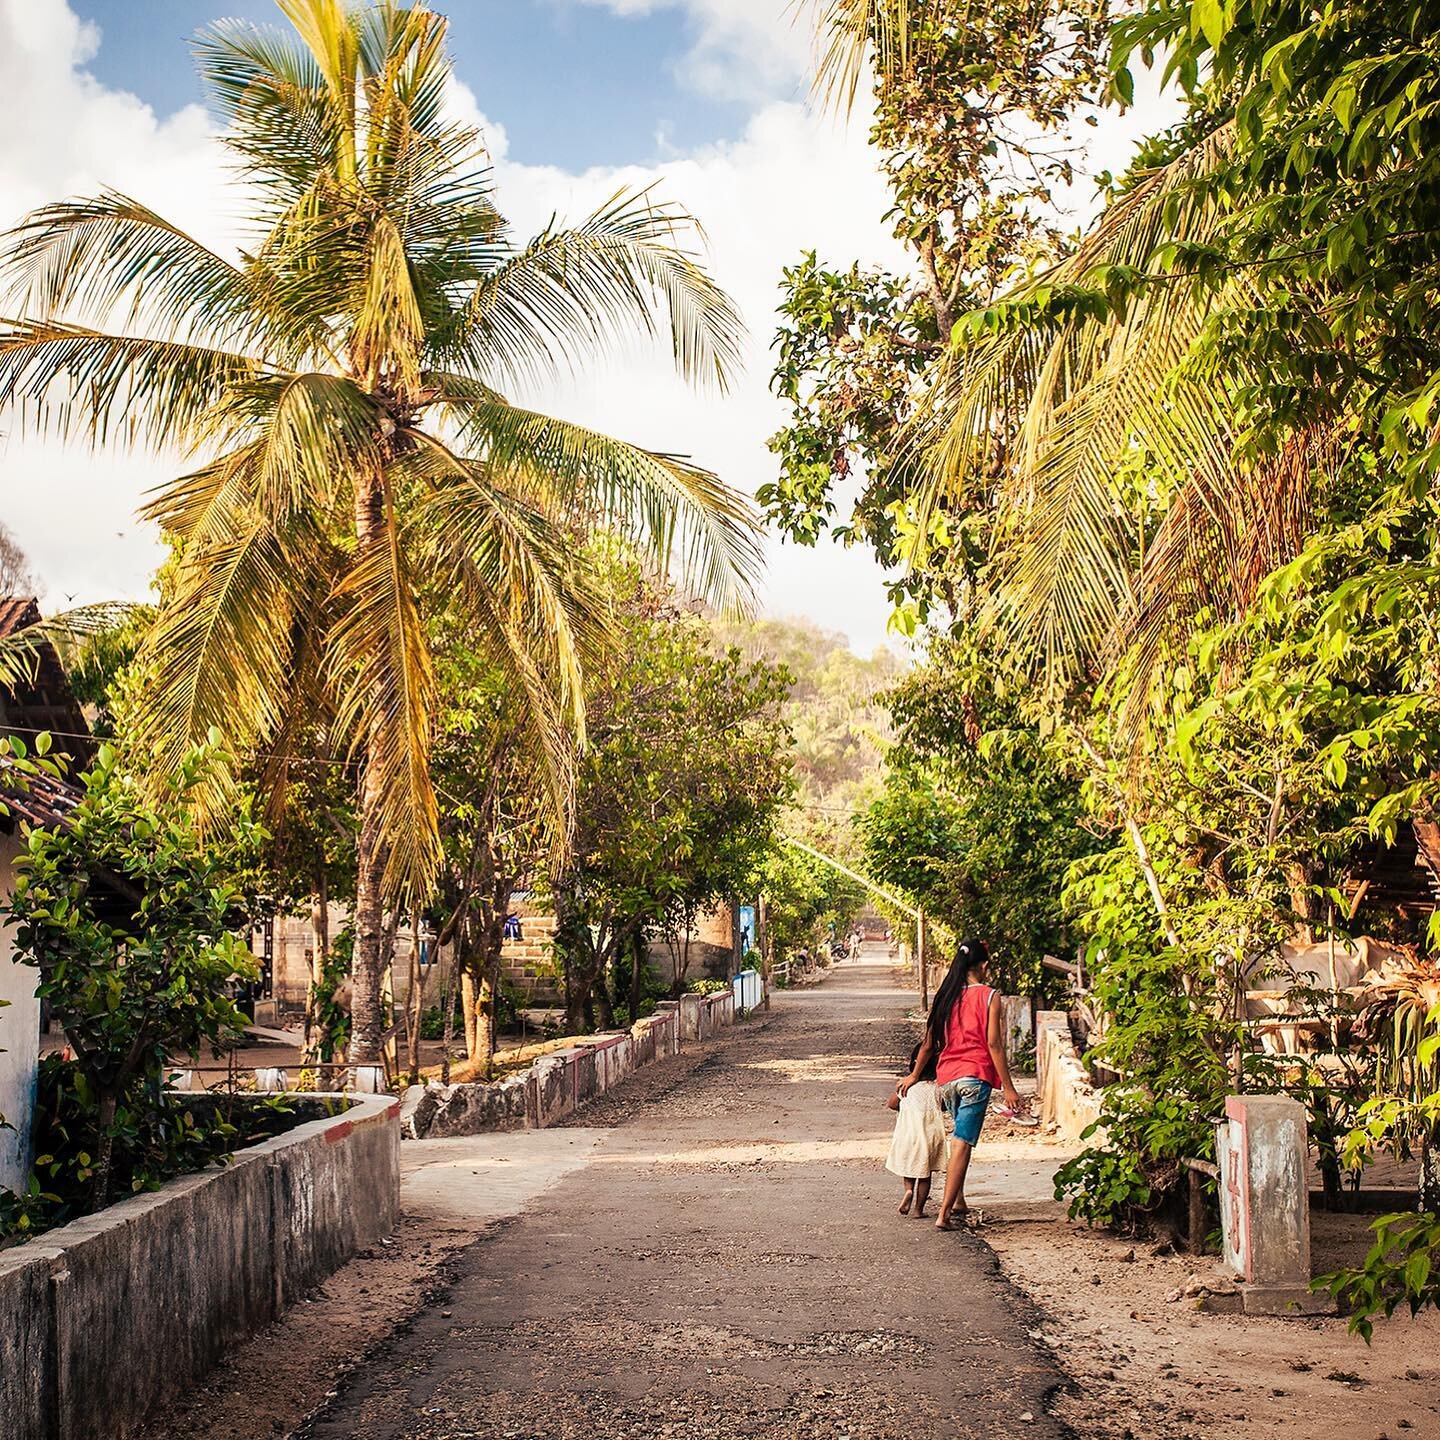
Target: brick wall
{"x": 528, "y": 963}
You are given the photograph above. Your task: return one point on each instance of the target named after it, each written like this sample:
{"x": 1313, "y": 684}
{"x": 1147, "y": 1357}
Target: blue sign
{"x": 747, "y": 928}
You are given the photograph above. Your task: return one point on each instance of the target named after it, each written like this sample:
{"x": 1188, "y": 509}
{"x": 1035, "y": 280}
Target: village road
{"x": 728, "y": 1263}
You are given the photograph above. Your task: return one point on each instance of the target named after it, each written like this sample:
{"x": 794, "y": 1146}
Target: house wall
{"x": 527, "y": 964}
{"x": 19, "y": 1040}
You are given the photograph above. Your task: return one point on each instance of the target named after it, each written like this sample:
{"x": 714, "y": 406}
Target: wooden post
{"x": 920, "y": 960}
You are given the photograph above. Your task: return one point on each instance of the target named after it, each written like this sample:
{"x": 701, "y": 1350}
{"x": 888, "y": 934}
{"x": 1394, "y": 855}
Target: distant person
{"x": 965, "y": 1043}
{"x": 917, "y": 1148}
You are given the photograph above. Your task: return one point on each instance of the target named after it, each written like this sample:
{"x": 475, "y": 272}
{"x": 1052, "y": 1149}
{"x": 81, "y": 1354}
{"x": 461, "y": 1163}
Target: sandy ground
{"x": 1152, "y": 1368}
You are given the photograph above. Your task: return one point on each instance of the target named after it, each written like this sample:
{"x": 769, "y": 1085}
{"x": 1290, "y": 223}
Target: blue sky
{"x": 576, "y": 84}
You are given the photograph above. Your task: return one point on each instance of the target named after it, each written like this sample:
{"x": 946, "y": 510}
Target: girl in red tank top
{"x": 964, "y": 1031}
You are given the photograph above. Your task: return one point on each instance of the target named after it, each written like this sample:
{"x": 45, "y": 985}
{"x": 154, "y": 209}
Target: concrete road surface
{"x": 724, "y": 1259}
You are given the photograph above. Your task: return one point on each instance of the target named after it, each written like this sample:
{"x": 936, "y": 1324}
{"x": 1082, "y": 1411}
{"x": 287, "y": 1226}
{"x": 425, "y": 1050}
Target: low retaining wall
{"x": 1067, "y": 1098}
{"x": 105, "y": 1317}
{"x": 559, "y": 1083}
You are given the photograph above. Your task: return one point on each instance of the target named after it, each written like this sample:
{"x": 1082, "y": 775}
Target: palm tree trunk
{"x": 367, "y": 1022}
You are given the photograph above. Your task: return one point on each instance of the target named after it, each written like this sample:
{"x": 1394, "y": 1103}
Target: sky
{"x": 577, "y": 99}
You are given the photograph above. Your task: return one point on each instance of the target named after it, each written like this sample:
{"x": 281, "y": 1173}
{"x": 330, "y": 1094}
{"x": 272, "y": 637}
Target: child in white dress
{"x": 917, "y": 1149}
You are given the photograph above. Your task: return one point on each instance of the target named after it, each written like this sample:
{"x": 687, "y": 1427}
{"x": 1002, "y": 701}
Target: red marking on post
{"x": 336, "y": 1133}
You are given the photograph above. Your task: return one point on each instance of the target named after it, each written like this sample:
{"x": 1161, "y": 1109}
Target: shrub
{"x": 128, "y": 913}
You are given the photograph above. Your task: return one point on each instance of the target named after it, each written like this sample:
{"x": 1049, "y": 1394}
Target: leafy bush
{"x": 1162, "y": 1035}
{"x": 1399, "y": 1270}
{"x": 128, "y": 914}
{"x": 707, "y": 987}
{"x": 155, "y": 1135}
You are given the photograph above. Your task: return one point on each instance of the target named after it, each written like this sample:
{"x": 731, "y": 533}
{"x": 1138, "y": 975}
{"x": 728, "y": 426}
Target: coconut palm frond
{"x": 1225, "y": 532}
{"x": 539, "y": 607}
{"x": 850, "y": 32}
{"x": 22, "y": 651}
{"x": 681, "y": 514}
{"x": 221, "y": 653}
{"x": 270, "y": 94}
{"x": 72, "y": 381}
{"x": 111, "y": 259}
{"x": 329, "y": 32}
{"x": 572, "y": 293}
{"x": 387, "y": 329}
{"x": 406, "y": 69}
{"x": 1068, "y": 396}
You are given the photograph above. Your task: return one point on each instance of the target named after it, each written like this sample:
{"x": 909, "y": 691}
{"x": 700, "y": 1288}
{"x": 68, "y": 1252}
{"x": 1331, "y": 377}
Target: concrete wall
{"x": 19, "y": 1041}
{"x": 103, "y": 1318}
{"x": 1067, "y": 1098}
{"x": 559, "y": 1083}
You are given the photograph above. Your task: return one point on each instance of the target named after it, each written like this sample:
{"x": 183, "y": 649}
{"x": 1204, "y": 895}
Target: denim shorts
{"x": 964, "y": 1102}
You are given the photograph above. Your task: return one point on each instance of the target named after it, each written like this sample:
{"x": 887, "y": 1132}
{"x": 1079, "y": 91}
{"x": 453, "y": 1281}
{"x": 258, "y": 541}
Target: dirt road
{"x": 727, "y": 1263}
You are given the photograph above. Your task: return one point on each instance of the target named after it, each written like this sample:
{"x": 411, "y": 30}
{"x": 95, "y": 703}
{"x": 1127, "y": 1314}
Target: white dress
{"x": 917, "y": 1149}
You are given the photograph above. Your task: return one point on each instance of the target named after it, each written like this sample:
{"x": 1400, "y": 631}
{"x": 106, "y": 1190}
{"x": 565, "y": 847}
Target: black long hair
{"x": 928, "y": 1073}
{"x": 969, "y": 955}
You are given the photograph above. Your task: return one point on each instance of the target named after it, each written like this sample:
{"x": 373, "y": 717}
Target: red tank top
{"x": 967, "y": 1043}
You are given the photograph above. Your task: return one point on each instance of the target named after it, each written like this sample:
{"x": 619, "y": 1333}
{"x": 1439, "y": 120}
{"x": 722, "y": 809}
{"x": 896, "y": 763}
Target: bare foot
{"x": 952, "y": 1219}
{"x": 919, "y": 1212}
{"x": 905, "y": 1203}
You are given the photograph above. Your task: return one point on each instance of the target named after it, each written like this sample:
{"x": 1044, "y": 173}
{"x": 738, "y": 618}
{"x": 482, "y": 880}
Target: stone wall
{"x": 559, "y": 1083}
{"x": 105, "y": 1317}
{"x": 1067, "y": 1098}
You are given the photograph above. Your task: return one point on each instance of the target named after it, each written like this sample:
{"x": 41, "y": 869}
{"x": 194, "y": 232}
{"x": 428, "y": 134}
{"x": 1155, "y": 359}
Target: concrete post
{"x": 1265, "y": 1204}
{"x": 690, "y": 1011}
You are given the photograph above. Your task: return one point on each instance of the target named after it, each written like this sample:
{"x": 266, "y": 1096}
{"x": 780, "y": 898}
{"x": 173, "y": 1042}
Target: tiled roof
{"x": 16, "y": 612}
{"x": 44, "y": 699}
{"x": 41, "y": 799}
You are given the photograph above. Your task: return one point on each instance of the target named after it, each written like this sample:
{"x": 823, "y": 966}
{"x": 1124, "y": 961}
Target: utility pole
{"x": 762, "y": 943}
{"x": 920, "y": 960}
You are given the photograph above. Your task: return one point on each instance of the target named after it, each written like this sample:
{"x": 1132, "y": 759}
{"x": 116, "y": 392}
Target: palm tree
{"x": 342, "y": 389}
{"x": 1052, "y": 400}
{"x": 847, "y": 32}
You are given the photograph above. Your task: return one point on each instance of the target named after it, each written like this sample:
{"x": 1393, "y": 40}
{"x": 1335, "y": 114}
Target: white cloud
{"x": 747, "y": 50}
{"x": 790, "y": 182}
{"x": 65, "y": 135}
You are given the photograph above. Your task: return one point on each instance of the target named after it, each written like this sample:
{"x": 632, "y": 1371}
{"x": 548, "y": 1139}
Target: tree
{"x": 679, "y": 791}
{"x": 981, "y": 814}
{"x": 807, "y": 902}
{"x": 972, "y": 105}
{"x": 495, "y": 826}
{"x": 339, "y": 386}
{"x": 16, "y": 576}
